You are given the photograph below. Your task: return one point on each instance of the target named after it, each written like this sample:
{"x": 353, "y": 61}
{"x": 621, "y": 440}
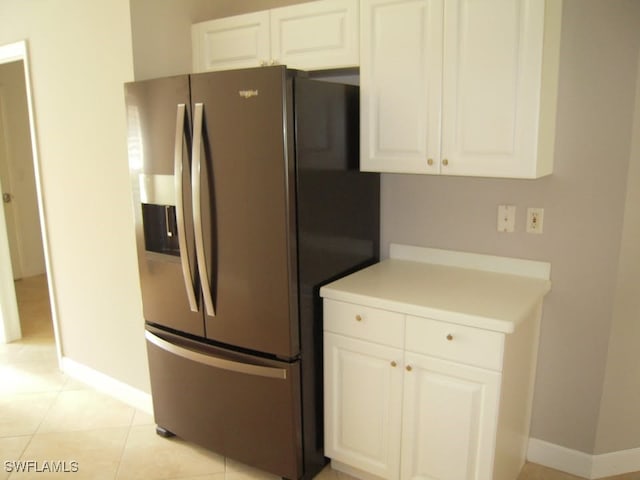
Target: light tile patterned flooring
{"x": 46, "y": 416}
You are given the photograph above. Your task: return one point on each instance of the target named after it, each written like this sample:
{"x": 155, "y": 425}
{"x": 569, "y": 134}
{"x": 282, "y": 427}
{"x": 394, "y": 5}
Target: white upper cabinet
{"x": 308, "y": 36}
{"x": 459, "y": 87}
{"x": 400, "y": 85}
{"x": 316, "y": 35}
{"x": 233, "y": 42}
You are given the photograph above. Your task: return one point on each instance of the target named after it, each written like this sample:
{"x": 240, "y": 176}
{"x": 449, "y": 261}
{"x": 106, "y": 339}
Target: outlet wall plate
{"x": 506, "y": 218}
{"x": 535, "y": 220}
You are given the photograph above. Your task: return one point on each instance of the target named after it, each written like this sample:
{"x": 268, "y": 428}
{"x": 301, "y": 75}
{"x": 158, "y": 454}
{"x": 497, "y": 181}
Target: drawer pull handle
{"x": 358, "y": 318}
{"x": 409, "y": 368}
{"x": 393, "y": 363}
{"x": 449, "y": 337}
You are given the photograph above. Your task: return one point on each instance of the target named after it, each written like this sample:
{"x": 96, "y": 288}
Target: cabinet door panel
{"x": 400, "y": 85}
{"x": 449, "y": 420}
{"x": 234, "y": 42}
{"x": 493, "y": 58}
{"x": 363, "y": 392}
{"x": 316, "y": 35}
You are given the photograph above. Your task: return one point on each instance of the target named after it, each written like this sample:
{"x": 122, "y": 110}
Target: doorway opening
{"x": 27, "y": 306}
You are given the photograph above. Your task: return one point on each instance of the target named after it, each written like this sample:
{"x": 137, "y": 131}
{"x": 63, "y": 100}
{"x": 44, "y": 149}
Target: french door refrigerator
{"x": 247, "y": 199}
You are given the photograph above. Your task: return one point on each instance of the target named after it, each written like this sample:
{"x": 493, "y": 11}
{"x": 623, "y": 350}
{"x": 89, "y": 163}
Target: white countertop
{"x": 431, "y": 285}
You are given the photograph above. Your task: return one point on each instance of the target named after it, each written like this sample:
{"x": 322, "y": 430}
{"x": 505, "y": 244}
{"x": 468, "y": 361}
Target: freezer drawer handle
{"x": 197, "y": 210}
{"x": 182, "y": 238}
{"x": 246, "y": 368}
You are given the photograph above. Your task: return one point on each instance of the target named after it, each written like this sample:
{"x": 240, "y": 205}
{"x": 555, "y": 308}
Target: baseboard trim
{"x": 616, "y": 463}
{"x": 106, "y": 384}
{"x": 583, "y": 464}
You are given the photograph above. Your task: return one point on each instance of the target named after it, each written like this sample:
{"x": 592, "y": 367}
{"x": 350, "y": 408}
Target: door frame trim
{"x": 10, "y": 320}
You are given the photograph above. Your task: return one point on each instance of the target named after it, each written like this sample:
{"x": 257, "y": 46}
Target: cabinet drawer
{"x": 365, "y": 323}
{"x": 473, "y": 346}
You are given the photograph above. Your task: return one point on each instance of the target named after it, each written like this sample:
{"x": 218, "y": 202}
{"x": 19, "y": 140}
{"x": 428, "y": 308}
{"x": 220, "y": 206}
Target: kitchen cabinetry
{"x": 460, "y": 87}
{"x": 429, "y": 367}
{"x": 363, "y": 404}
{"x": 449, "y": 414}
{"x": 308, "y": 36}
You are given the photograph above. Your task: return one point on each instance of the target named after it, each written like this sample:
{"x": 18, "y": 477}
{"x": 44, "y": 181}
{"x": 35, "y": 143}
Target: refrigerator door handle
{"x": 197, "y": 210}
{"x": 216, "y": 362}
{"x": 182, "y": 238}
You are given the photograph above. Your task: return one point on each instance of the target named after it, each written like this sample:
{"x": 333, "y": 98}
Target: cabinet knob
{"x": 430, "y": 161}
{"x": 449, "y": 337}
{"x": 445, "y": 162}
{"x": 409, "y": 368}
{"x": 393, "y": 363}
{"x": 358, "y": 318}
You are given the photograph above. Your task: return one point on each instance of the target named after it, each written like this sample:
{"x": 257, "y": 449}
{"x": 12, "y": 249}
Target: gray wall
{"x": 584, "y": 202}
{"x": 619, "y": 424}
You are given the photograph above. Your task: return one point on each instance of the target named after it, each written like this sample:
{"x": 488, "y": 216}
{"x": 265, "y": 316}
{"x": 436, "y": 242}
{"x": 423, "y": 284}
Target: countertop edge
{"x": 367, "y": 287}
{"x": 485, "y": 323}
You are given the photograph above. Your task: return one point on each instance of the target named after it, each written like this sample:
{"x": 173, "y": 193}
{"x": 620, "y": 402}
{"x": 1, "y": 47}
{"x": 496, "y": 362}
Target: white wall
{"x": 80, "y": 56}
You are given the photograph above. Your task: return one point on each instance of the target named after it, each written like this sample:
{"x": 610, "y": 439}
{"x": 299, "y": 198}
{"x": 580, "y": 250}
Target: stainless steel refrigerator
{"x": 247, "y": 199}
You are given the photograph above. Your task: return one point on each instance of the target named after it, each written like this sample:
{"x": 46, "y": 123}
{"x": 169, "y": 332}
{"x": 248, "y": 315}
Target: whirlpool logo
{"x": 248, "y": 93}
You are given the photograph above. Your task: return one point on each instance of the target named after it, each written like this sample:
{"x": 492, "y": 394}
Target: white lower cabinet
{"x": 395, "y": 414}
{"x": 429, "y": 365}
{"x": 363, "y": 400}
{"x": 449, "y": 420}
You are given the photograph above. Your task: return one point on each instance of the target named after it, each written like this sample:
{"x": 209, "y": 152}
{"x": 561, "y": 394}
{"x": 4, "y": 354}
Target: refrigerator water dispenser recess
{"x": 157, "y": 196}
{"x": 160, "y": 229}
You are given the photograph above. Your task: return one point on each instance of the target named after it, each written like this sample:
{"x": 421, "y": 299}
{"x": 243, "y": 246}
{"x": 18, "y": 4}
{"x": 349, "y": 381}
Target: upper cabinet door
{"x": 400, "y": 85}
{"x": 241, "y": 41}
{"x": 459, "y": 87}
{"x": 316, "y": 35}
{"x": 493, "y": 65}
{"x": 310, "y": 36}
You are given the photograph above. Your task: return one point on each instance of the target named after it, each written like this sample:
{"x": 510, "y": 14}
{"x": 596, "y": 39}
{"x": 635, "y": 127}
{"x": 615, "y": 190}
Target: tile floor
{"x": 46, "y": 416}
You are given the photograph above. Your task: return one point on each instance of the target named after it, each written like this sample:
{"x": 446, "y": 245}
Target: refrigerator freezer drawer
{"x": 237, "y": 405}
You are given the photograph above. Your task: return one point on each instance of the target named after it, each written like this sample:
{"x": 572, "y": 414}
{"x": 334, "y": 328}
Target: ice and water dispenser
{"x": 157, "y": 195}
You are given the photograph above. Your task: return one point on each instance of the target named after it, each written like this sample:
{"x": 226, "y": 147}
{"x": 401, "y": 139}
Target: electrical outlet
{"x": 535, "y": 219}
{"x": 506, "y": 218}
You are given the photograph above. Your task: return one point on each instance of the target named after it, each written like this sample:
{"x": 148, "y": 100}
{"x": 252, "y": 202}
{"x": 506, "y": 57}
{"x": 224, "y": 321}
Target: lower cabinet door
{"x": 363, "y": 401}
{"x": 450, "y": 414}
